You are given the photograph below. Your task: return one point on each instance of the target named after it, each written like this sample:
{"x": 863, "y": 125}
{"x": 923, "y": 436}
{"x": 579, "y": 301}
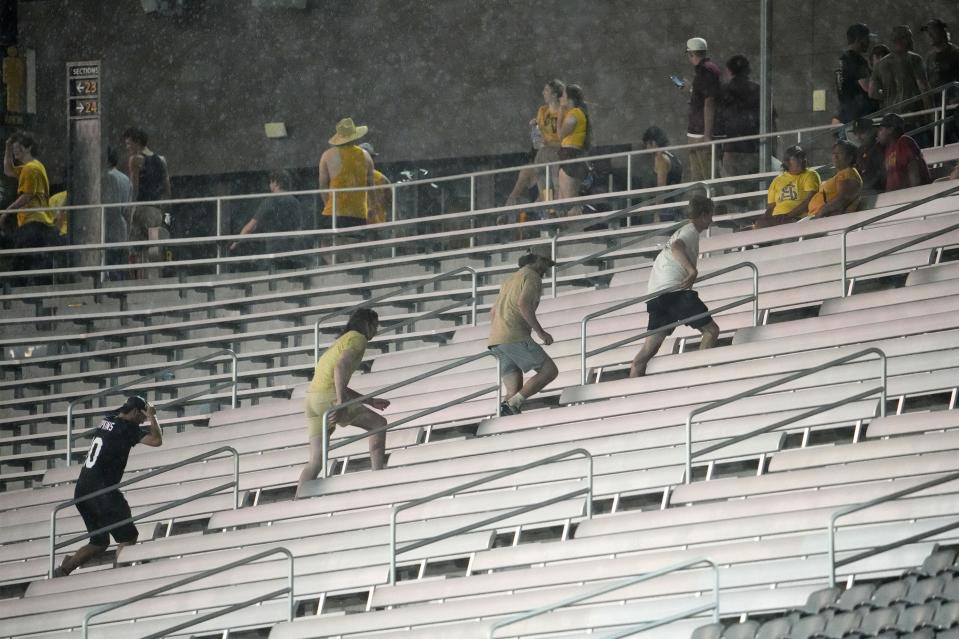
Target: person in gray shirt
{"x": 117, "y": 189}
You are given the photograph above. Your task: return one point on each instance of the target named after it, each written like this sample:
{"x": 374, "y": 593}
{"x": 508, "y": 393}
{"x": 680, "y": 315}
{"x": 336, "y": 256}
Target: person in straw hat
{"x": 345, "y": 165}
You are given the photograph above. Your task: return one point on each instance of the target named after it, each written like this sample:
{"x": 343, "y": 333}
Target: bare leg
{"x": 313, "y": 467}
{"x": 710, "y": 335}
{"x": 651, "y": 346}
{"x": 525, "y": 180}
{"x": 369, "y": 420}
{"x": 513, "y": 381}
{"x": 568, "y": 189}
{"x": 81, "y": 557}
{"x": 542, "y": 377}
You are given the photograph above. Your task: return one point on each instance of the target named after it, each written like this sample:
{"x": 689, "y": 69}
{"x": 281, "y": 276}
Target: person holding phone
{"x": 103, "y": 467}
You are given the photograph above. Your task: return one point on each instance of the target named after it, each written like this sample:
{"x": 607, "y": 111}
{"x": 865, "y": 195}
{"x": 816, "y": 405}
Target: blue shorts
{"x": 523, "y": 356}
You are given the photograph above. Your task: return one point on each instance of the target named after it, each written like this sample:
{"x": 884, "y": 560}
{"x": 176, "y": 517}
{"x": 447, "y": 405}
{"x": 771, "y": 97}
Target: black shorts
{"x": 342, "y": 221}
{"x": 672, "y": 307}
{"x": 575, "y": 170}
{"x": 106, "y": 510}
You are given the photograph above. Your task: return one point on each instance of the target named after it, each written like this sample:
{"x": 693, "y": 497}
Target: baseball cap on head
{"x": 935, "y": 23}
{"x": 696, "y": 45}
{"x": 532, "y": 256}
{"x": 893, "y": 121}
{"x": 859, "y": 30}
{"x": 863, "y": 124}
{"x": 134, "y": 402}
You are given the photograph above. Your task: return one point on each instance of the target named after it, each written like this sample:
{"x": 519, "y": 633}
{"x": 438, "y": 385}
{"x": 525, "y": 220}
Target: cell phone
{"x": 678, "y": 81}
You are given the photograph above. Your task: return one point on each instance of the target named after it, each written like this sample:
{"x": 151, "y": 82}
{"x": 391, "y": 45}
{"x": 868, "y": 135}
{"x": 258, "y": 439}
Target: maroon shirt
{"x": 898, "y": 156}
{"x": 706, "y": 84}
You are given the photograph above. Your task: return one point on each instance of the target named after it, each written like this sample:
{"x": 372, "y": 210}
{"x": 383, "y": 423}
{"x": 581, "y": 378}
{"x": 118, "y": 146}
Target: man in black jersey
{"x": 104, "y": 465}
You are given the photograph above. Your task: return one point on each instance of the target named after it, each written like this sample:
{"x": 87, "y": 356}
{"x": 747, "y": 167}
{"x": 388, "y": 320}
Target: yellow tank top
{"x": 576, "y": 139}
{"x": 352, "y": 174}
{"x": 377, "y": 199}
{"x": 548, "y": 123}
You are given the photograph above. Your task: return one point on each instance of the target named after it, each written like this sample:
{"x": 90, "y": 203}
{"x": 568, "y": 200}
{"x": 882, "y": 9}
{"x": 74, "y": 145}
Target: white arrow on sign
{"x": 79, "y": 107}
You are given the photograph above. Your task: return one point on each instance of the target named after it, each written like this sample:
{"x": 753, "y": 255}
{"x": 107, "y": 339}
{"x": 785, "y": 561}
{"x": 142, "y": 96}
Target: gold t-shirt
{"x": 32, "y": 179}
{"x": 508, "y": 325}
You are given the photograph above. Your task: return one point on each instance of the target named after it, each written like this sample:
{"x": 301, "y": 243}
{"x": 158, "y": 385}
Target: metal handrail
{"x": 848, "y": 510}
{"x": 203, "y": 575}
{"x": 386, "y": 296}
{"x": 583, "y": 354}
{"x": 325, "y": 445}
{"x": 235, "y": 484}
{"x": 143, "y": 378}
{"x": 940, "y": 90}
{"x": 845, "y": 265}
{"x": 789, "y": 420}
{"x": 449, "y": 492}
{"x": 714, "y": 606}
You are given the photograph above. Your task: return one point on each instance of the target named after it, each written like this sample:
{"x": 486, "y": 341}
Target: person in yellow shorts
{"x": 840, "y": 193}
{"x": 345, "y": 165}
{"x": 330, "y": 386}
{"x": 791, "y": 190}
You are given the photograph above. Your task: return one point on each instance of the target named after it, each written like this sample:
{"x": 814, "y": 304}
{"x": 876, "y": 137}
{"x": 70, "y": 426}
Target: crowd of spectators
{"x": 723, "y": 103}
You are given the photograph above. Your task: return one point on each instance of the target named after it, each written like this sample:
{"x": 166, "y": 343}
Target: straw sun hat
{"x": 346, "y": 131}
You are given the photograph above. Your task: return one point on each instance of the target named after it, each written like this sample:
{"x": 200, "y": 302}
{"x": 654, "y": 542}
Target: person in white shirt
{"x": 675, "y": 268}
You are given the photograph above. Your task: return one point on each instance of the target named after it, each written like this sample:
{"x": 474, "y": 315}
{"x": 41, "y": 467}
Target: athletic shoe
{"x": 506, "y": 409}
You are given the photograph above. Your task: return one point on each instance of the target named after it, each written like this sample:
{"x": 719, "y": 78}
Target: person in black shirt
{"x": 852, "y": 77}
{"x": 103, "y": 467}
{"x": 739, "y": 106}
{"x": 942, "y": 65}
{"x": 279, "y": 214}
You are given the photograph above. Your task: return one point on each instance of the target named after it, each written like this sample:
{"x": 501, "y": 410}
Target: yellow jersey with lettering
{"x": 829, "y": 191}
{"x": 352, "y": 174}
{"x": 548, "y": 123}
{"x": 377, "y": 199}
{"x": 787, "y": 191}
{"x": 32, "y": 179}
{"x": 353, "y": 345}
{"x": 576, "y": 139}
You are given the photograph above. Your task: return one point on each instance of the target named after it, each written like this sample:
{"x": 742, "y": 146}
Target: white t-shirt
{"x": 667, "y": 272}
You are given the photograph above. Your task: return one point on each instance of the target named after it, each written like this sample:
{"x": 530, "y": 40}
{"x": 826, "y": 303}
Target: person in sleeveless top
{"x": 150, "y": 181}
{"x": 575, "y": 138}
{"x": 667, "y": 168}
{"x": 345, "y": 165}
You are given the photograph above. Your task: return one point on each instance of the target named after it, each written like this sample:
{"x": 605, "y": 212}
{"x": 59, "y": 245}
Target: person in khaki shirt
{"x": 512, "y": 322}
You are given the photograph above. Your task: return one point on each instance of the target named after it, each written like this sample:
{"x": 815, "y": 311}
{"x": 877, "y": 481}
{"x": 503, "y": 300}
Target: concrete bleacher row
{"x": 771, "y": 549}
{"x": 509, "y": 419}
{"x": 288, "y": 373}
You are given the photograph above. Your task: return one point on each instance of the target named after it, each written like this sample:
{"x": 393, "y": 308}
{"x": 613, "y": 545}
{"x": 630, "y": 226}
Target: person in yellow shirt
{"x": 840, "y": 193}
{"x": 546, "y": 144}
{"x": 330, "y": 386}
{"x": 791, "y": 190}
{"x": 62, "y": 218}
{"x": 575, "y": 139}
{"x": 35, "y": 229}
{"x": 512, "y": 321}
{"x": 380, "y": 201}
{"x": 345, "y": 165}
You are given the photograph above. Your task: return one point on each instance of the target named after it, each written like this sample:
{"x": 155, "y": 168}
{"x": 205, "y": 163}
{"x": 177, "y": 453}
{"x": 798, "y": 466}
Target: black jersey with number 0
{"x": 109, "y": 448}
